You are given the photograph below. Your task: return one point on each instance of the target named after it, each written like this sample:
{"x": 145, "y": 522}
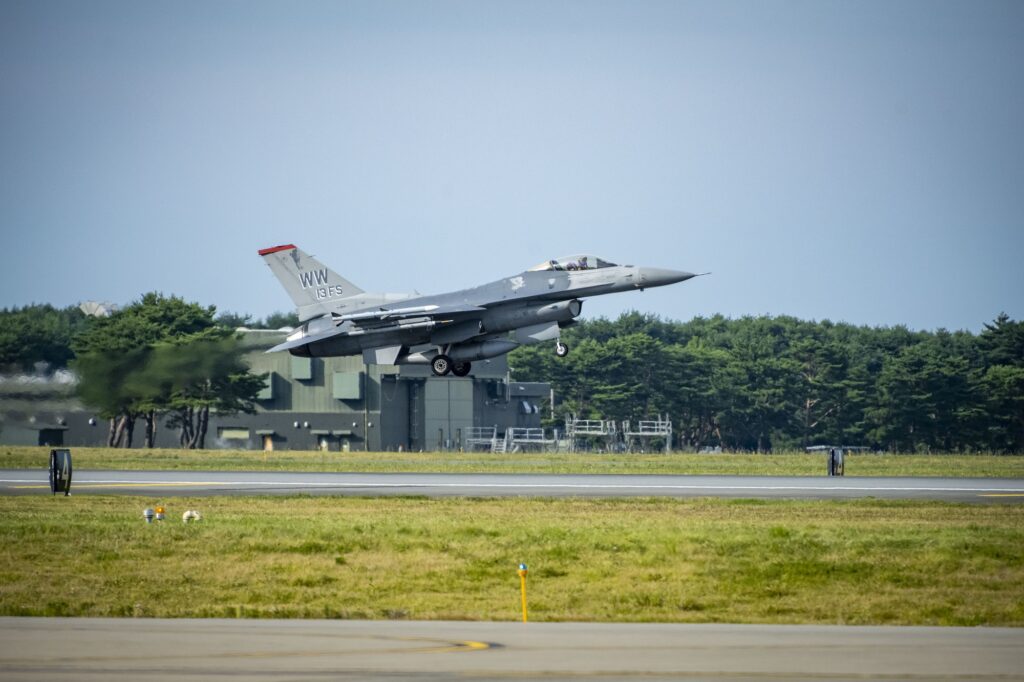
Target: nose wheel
{"x": 561, "y": 349}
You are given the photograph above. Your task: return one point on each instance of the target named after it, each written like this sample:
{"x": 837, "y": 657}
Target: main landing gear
{"x": 442, "y": 365}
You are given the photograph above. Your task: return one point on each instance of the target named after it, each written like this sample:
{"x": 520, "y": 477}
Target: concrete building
{"x": 323, "y": 403}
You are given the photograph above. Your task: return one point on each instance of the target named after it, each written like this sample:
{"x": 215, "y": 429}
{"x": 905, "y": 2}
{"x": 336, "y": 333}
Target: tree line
{"x": 39, "y": 336}
{"x": 158, "y": 357}
{"x": 764, "y": 383}
{"x": 754, "y": 383}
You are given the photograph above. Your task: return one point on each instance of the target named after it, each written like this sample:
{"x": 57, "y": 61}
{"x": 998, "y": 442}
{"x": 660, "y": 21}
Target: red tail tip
{"x": 275, "y": 249}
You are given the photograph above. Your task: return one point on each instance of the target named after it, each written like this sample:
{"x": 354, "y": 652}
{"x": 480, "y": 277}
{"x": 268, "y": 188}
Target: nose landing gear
{"x": 561, "y": 349}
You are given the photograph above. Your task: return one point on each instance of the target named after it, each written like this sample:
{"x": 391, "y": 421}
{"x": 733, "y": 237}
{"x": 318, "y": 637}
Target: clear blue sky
{"x": 858, "y": 161}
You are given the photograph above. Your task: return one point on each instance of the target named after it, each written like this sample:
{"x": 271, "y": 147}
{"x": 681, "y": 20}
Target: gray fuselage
{"x": 530, "y": 299}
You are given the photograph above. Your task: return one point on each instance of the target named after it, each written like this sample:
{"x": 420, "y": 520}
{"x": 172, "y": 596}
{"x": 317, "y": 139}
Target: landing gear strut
{"x": 561, "y": 349}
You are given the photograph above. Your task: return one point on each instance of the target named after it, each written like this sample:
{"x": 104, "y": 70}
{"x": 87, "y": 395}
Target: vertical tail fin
{"x": 313, "y": 286}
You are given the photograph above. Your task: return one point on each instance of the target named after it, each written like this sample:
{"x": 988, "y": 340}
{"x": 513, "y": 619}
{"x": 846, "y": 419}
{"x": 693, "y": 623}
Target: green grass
{"x": 789, "y": 464}
{"x": 854, "y": 562}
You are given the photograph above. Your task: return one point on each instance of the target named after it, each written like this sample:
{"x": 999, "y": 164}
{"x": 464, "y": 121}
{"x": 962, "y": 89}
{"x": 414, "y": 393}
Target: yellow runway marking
{"x": 467, "y": 645}
{"x": 1001, "y": 495}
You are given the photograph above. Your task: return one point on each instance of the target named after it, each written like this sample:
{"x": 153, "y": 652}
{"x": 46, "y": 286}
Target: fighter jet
{"x": 447, "y": 331}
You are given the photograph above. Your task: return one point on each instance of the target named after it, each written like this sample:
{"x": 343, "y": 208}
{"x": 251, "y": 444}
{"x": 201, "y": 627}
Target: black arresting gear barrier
{"x": 60, "y": 471}
{"x": 836, "y": 461}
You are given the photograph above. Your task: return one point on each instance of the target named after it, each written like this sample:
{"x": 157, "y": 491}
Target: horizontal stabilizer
{"x": 307, "y": 339}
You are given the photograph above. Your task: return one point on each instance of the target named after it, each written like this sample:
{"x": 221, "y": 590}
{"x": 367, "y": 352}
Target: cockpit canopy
{"x": 573, "y": 263}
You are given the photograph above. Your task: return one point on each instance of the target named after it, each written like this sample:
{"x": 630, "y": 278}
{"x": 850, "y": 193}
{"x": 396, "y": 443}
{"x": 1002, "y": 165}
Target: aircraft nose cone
{"x": 657, "y": 277}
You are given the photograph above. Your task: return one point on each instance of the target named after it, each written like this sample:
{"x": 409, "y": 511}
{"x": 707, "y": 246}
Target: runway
{"x": 151, "y": 649}
{"x": 186, "y": 483}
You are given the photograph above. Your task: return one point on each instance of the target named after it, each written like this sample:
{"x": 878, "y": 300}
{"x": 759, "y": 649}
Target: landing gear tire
{"x": 441, "y": 365}
{"x": 561, "y": 349}
{"x": 461, "y": 369}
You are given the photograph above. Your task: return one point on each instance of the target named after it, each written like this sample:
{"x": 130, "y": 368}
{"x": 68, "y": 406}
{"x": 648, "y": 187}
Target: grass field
{"x": 590, "y": 560}
{"x": 789, "y": 464}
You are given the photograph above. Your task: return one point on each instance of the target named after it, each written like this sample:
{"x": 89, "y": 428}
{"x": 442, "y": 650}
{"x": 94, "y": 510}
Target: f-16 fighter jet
{"x": 446, "y": 331}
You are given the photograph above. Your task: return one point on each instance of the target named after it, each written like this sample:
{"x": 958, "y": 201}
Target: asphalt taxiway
{"x": 192, "y": 483}
{"x": 156, "y": 649}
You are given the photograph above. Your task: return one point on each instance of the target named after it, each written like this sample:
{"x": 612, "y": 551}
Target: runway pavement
{"x": 34, "y": 649}
{"x": 188, "y": 483}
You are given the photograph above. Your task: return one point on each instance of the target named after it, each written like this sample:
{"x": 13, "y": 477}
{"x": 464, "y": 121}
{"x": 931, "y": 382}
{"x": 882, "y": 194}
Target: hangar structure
{"x": 334, "y": 403}
{"x": 340, "y": 403}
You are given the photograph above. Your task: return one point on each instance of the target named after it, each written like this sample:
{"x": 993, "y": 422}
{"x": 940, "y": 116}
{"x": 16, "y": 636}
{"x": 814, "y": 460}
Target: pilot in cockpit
{"x": 580, "y": 264}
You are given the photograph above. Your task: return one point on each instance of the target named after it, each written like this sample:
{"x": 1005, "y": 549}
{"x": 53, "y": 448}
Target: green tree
{"x": 159, "y": 355}
{"x": 1004, "y": 390}
{"x": 925, "y": 398}
{"x": 114, "y": 351}
{"x": 38, "y": 334}
{"x": 1001, "y": 344}
{"x": 703, "y": 388}
{"x": 191, "y": 377}
{"x": 234, "y": 320}
{"x": 767, "y": 382}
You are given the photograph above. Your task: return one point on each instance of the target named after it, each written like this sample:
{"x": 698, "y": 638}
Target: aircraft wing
{"x": 377, "y": 319}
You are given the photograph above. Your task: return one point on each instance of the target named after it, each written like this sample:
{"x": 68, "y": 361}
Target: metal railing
{"x": 589, "y": 427}
{"x": 629, "y": 435}
{"x": 519, "y": 438}
{"x": 481, "y": 437}
{"x": 648, "y": 428}
{"x": 651, "y": 427}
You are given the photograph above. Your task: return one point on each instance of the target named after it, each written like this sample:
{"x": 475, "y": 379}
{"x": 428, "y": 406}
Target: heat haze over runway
{"x": 190, "y": 483}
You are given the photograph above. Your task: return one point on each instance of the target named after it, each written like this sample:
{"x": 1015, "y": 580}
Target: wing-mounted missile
{"x": 433, "y": 311}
